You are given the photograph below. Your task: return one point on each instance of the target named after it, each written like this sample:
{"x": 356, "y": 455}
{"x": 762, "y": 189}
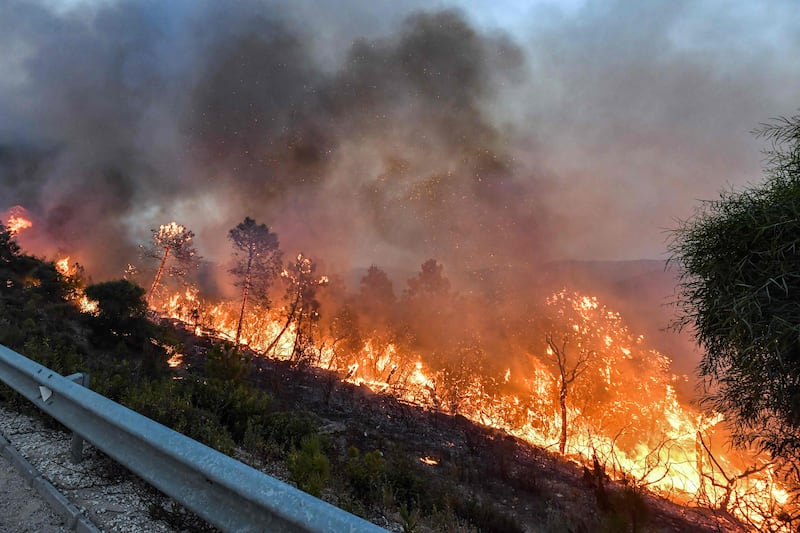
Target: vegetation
{"x": 568, "y": 372}
{"x": 302, "y": 286}
{"x": 309, "y": 467}
{"x": 258, "y": 260}
{"x": 740, "y": 258}
{"x": 276, "y": 413}
{"x": 172, "y": 247}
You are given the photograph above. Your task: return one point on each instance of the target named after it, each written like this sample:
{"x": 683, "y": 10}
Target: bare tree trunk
{"x": 245, "y": 292}
{"x": 285, "y": 326}
{"x": 158, "y": 276}
{"x": 698, "y": 453}
{"x": 562, "y": 401}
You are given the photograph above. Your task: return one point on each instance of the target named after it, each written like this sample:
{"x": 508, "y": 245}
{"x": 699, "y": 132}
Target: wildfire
{"x": 65, "y": 268}
{"x": 62, "y": 265}
{"x": 16, "y": 220}
{"x": 624, "y": 411}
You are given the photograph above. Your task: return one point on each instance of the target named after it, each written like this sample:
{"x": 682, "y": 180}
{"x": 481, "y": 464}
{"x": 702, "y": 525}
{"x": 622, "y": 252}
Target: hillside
{"x": 457, "y": 475}
{"x": 404, "y": 466}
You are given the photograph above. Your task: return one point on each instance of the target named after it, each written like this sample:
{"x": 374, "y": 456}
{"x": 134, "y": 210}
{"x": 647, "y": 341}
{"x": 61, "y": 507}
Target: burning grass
{"x": 622, "y": 413}
{"x": 595, "y": 386}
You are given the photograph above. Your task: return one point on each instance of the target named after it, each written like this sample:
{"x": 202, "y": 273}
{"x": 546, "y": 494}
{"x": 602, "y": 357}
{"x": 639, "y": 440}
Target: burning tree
{"x": 303, "y": 310}
{"x": 568, "y": 371}
{"x": 428, "y": 306}
{"x": 258, "y": 260}
{"x": 16, "y": 220}
{"x": 376, "y": 299}
{"x": 569, "y": 334}
{"x": 376, "y": 307}
{"x": 460, "y": 377}
{"x": 9, "y": 249}
{"x": 172, "y": 246}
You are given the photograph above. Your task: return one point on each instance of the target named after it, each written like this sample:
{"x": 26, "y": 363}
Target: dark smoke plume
{"x": 368, "y": 133}
{"x": 133, "y": 114}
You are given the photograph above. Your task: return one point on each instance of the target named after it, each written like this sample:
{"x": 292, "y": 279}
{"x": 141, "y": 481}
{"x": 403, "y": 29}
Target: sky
{"x": 480, "y": 133}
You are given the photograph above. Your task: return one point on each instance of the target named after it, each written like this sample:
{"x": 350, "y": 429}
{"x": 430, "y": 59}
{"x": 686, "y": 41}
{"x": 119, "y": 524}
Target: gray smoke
{"x": 378, "y": 134}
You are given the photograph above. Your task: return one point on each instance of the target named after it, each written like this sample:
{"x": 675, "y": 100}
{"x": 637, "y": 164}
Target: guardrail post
{"x": 76, "y": 446}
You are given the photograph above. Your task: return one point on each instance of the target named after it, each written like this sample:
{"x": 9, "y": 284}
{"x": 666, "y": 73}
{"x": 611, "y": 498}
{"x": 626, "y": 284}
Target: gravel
{"x": 22, "y": 509}
{"x": 104, "y": 493}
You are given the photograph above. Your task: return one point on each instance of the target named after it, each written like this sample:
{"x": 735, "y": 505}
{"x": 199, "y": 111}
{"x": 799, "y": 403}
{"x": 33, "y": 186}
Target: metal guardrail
{"x": 223, "y": 491}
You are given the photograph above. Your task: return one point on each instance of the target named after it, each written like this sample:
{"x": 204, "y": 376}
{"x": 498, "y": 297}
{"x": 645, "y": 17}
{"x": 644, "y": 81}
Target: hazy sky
{"x": 476, "y": 132}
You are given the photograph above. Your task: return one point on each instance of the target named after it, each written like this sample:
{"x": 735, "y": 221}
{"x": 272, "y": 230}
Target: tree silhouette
{"x": 172, "y": 247}
{"x": 569, "y": 369}
{"x": 740, "y": 278}
{"x": 258, "y": 260}
{"x": 430, "y": 281}
{"x": 303, "y": 312}
{"x": 376, "y": 298}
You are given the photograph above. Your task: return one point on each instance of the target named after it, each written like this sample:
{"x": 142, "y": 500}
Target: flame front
{"x": 625, "y": 410}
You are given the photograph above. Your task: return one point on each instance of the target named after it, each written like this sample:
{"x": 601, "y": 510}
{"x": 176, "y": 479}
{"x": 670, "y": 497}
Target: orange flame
{"x": 16, "y": 220}
{"x": 65, "y": 268}
{"x": 626, "y": 412}
{"x": 62, "y": 265}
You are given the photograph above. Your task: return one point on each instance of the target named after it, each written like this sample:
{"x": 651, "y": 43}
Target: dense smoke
{"x": 135, "y": 114}
{"x": 376, "y": 134}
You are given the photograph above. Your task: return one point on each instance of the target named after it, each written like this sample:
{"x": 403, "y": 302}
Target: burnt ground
{"x": 493, "y": 473}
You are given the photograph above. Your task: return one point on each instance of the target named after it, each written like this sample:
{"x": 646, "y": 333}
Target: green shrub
{"x": 113, "y": 381}
{"x": 237, "y": 405}
{"x": 407, "y": 483}
{"x": 409, "y": 519}
{"x": 58, "y": 356}
{"x": 366, "y": 474}
{"x": 169, "y": 403}
{"x": 309, "y": 467}
{"x": 226, "y": 364}
{"x": 287, "y": 430}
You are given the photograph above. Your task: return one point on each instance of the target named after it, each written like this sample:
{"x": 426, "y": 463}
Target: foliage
{"x": 407, "y": 483}
{"x": 289, "y": 429}
{"x": 366, "y": 474}
{"x": 429, "y": 281}
{"x": 9, "y": 249}
{"x": 257, "y": 262}
{"x": 740, "y": 259}
{"x": 171, "y": 403}
{"x": 121, "y": 313}
{"x": 119, "y": 300}
{"x": 226, "y": 364}
{"x": 56, "y": 355}
{"x": 121, "y": 329}
{"x": 172, "y": 247}
{"x": 309, "y": 467}
{"x": 429, "y": 308}
{"x": 409, "y": 519}
{"x": 236, "y": 405}
{"x": 302, "y": 286}
{"x": 346, "y": 334}
{"x": 376, "y": 299}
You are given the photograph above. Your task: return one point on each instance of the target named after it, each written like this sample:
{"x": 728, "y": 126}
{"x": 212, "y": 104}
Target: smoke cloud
{"x": 451, "y": 133}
